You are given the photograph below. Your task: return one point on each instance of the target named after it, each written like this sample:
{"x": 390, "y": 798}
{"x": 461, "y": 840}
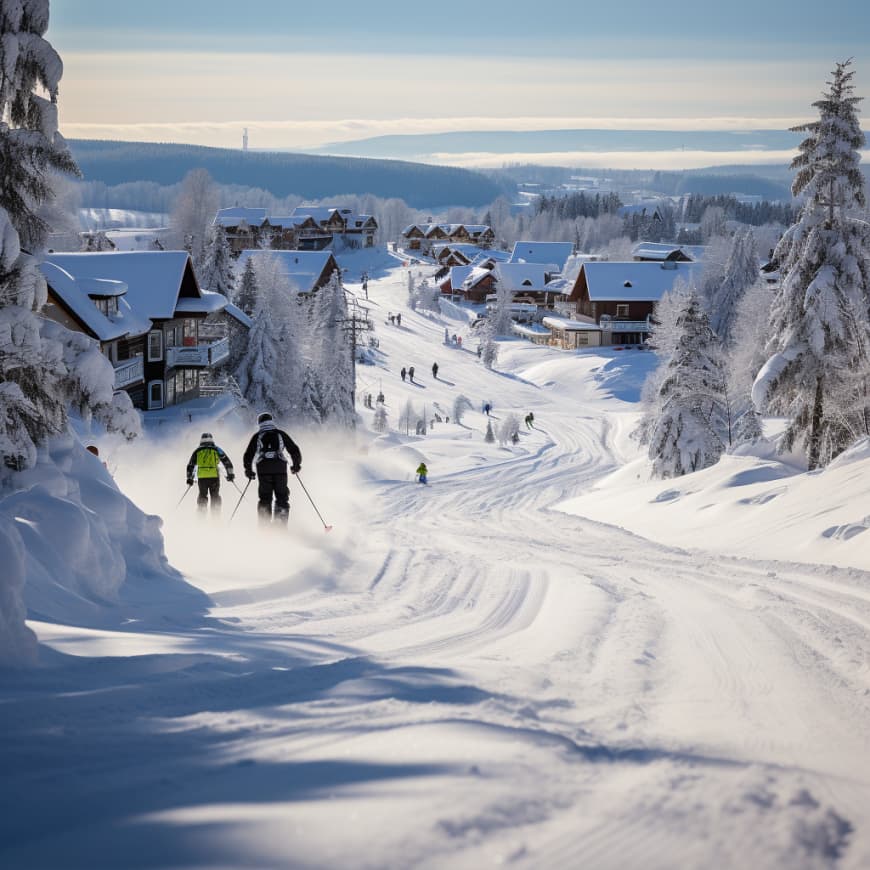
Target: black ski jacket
{"x": 266, "y": 449}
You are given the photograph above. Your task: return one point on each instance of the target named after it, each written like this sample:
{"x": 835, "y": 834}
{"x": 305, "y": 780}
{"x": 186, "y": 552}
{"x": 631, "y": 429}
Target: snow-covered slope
{"x": 466, "y": 674}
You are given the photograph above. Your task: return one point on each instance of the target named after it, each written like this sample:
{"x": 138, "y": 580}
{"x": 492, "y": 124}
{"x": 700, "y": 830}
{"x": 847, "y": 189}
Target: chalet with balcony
{"x": 620, "y": 297}
{"x": 164, "y": 297}
{"x": 355, "y": 230}
{"x": 424, "y": 237}
{"x": 658, "y": 252}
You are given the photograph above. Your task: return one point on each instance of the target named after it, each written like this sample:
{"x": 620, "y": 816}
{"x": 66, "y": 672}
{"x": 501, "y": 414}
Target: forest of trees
{"x": 284, "y": 174}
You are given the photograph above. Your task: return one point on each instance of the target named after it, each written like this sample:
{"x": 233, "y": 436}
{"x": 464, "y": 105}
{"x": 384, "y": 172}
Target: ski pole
{"x": 235, "y": 485}
{"x": 189, "y": 488}
{"x": 240, "y": 500}
{"x": 326, "y": 528}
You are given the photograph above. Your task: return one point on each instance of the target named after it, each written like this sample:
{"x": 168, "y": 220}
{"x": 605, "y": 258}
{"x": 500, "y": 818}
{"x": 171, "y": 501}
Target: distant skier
{"x": 487, "y": 408}
{"x": 435, "y": 370}
{"x": 403, "y": 373}
{"x": 411, "y": 374}
{"x": 266, "y": 451}
{"x": 398, "y": 319}
{"x": 205, "y": 461}
{"x": 422, "y": 473}
{"x": 530, "y": 420}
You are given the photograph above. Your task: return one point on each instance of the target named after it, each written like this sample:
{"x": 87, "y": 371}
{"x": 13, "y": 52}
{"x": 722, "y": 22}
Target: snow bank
{"x": 70, "y": 545}
{"x": 756, "y": 506}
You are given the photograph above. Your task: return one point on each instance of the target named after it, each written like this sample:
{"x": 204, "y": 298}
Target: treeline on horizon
{"x": 308, "y": 176}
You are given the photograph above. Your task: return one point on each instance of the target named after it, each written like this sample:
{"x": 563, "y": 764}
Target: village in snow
{"x": 344, "y": 534}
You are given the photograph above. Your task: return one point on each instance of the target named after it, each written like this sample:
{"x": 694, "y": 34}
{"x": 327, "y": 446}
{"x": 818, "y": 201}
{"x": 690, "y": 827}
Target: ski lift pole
{"x": 241, "y": 497}
{"x": 326, "y": 528}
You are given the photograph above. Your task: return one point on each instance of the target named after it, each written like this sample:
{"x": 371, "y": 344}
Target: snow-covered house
{"x": 98, "y": 307}
{"x": 307, "y": 271}
{"x": 620, "y": 296}
{"x": 452, "y": 285}
{"x": 424, "y": 237}
{"x": 542, "y": 252}
{"x": 356, "y": 230}
{"x": 659, "y": 252}
{"x": 454, "y": 254}
{"x": 161, "y": 290}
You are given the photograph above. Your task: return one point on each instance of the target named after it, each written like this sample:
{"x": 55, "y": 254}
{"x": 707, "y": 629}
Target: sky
{"x": 299, "y": 75}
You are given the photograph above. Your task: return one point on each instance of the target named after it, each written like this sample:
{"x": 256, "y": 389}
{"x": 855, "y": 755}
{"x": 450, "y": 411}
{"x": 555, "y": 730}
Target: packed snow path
{"x": 464, "y": 676}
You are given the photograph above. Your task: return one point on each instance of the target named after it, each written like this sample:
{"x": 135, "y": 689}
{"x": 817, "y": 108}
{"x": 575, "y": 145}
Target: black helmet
{"x": 206, "y": 438}
{"x": 265, "y": 417}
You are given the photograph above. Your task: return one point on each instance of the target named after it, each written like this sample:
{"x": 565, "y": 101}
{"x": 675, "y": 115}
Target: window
{"x": 622, "y": 310}
{"x": 189, "y": 332}
{"x": 170, "y": 391}
{"x": 155, "y": 346}
{"x": 155, "y": 395}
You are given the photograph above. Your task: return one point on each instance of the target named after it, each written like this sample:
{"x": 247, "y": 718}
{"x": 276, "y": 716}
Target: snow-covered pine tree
{"x": 489, "y": 435}
{"x": 331, "y": 351}
{"x": 412, "y": 291}
{"x": 508, "y": 430}
{"x": 38, "y": 379}
{"x": 380, "y": 422}
{"x": 741, "y": 273}
{"x": 246, "y": 292}
{"x": 216, "y": 273}
{"x": 817, "y": 369}
{"x": 686, "y": 434}
{"x": 272, "y": 369}
{"x": 461, "y": 404}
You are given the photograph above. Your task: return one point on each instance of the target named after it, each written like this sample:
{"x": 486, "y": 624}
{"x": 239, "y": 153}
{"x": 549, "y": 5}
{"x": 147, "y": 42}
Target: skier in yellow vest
{"x": 205, "y": 460}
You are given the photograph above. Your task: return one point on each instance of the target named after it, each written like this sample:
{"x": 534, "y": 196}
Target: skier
{"x": 205, "y": 460}
{"x": 487, "y": 408}
{"x": 399, "y": 319}
{"x": 411, "y": 374}
{"x": 479, "y": 351}
{"x": 403, "y": 373}
{"x": 266, "y": 450}
{"x": 530, "y": 419}
{"x": 422, "y": 473}
{"x": 435, "y": 370}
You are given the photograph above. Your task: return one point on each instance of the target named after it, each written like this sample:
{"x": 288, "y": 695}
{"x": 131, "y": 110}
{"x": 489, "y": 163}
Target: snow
{"x": 542, "y": 252}
{"x": 541, "y": 659}
{"x": 153, "y": 278}
{"x": 625, "y": 282}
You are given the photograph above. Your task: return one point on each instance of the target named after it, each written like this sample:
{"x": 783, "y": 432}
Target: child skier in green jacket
{"x": 422, "y": 473}
{"x": 205, "y": 460}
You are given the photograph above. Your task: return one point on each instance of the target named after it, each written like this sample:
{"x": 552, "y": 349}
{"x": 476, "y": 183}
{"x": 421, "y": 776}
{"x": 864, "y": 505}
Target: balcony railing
{"x": 198, "y": 356}
{"x": 128, "y": 372}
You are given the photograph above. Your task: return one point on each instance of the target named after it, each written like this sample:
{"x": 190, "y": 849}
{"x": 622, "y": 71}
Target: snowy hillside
{"x": 538, "y": 660}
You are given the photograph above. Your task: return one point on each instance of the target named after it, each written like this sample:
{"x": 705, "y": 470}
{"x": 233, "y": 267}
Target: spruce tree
{"x": 36, "y": 379}
{"x": 687, "y": 433}
{"x": 216, "y": 274}
{"x": 816, "y": 373}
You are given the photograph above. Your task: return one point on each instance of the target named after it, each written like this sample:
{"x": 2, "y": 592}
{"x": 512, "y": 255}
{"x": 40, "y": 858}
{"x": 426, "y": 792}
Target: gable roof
{"x": 156, "y": 280}
{"x": 303, "y": 268}
{"x": 524, "y": 276}
{"x": 230, "y": 217}
{"x": 636, "y": 281}
{"x": 659, "y": 251}
{"x": 542, "y": 252}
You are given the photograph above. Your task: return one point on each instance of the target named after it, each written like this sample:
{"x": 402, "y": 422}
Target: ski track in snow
{"x": 484, "y": 681}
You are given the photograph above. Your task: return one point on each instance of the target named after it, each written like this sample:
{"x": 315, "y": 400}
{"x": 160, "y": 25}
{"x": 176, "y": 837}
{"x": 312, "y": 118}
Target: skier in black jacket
{"x": 266, "y": 451}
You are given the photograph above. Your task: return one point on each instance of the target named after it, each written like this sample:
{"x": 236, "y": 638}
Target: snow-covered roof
{"x": 208, "y": 303}
{"x": 235, "y": 312}
{"x": 494, "y": 256}
{"x": 458, "y": 274}
{"x": 636, "y": 281}
{"x": 524, "y": 276}
{"x": 320, "y": 213}
{"x": 531, "y": 329}
{"x": 153, "y": 278}
{"x": 302, "y": 268}
{"x": 475, "y": 275}
{"x": 542, "y": 252}
{"x": 656, "y": 251}
{"x": 73, "y": 296}
{"x": 565, "y": 325}
{"x": 290, "y": 220}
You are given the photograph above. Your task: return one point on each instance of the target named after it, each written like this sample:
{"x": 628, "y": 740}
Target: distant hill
{"x": 531, "y": 142}
{"x": 285, "y": 174}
